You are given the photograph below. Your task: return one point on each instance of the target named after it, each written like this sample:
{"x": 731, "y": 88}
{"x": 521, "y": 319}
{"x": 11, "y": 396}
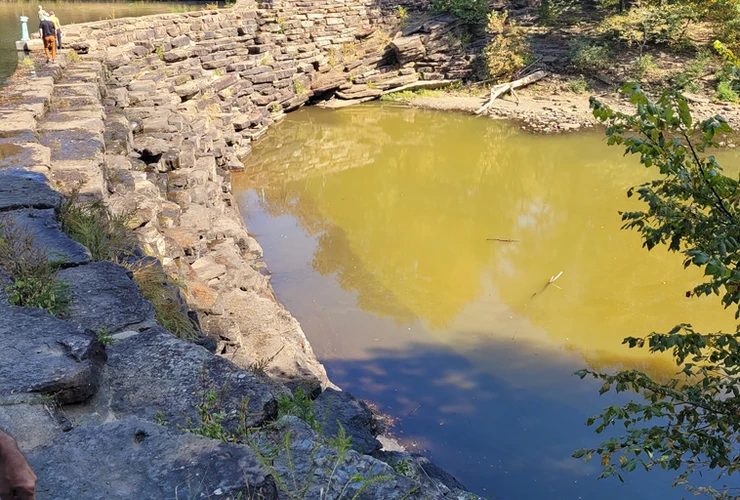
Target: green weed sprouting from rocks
{"x": 403, "y": 16}
{"x": 258, "y": 367}
{"x": 26, "y": 62}
{"x": 104, "y": 337}
{"x": 90, "y": 224}
{"x": 295, "y": 485}
{"x": 72, "y": 57}
{"x": 211, "y": 417}
{"x": 404, "y": 467}
{"x": 299, "y": 405}
{"x": 160, "y": 419}
{"x": 108, "y": 237}
{"x": 298, "y": 488}
{"x": 162, "y": 291}
{"x": 210, "y": 413}
{"x": 33, "y": 274}
{"x": 300, "y": 88}
{"x": 160, "y": 52}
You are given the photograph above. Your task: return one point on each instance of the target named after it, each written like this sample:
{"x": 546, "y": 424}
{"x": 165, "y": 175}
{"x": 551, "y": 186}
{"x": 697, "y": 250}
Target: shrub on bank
{"x": 589, "y": 55}
{"x": 508, "y": 51}
{"x": 649, "y": 25}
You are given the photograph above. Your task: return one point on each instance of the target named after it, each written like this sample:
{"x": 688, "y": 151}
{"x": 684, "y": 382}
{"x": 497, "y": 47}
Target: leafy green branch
{"x": 690, "y": 423}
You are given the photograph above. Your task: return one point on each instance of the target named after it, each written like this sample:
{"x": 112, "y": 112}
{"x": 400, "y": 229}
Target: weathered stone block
{"x": 328, "y": 81}
{"x": 140, "y": 459}
{"x": 21, "y": 192}
{"x": 408, "y": 48}
{"x": 142, "y": 86}
{"x": 44, "y": 355}
{"x": 154, "y": 371}
{"x": 180, "y": 41}
{"x": 105, "y": 297}
{"x": 175, "y": 55}
{"x": 42, "y": 225}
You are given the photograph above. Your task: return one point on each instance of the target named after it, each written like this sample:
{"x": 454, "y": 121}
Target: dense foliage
{"x": 690, "y": 423}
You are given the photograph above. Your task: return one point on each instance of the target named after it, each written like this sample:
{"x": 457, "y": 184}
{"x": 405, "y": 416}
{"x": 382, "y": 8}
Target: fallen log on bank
{"x": 502, "y": 88}
{"x": 423, "y": 84}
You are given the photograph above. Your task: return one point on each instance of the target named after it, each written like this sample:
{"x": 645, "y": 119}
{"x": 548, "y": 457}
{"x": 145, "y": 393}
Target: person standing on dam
{"x": 48, "y": 35}
{"x": 57, "y": 28}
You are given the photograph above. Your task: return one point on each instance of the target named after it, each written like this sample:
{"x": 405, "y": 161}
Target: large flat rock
{"x": 154, "y": 374}
{"x": 135, "y": 459}
{"x": 105, "y": 297}
{"x": 42, "y": 224}
{"x": 23, "y": 192}
{"x": 42, "y": 354}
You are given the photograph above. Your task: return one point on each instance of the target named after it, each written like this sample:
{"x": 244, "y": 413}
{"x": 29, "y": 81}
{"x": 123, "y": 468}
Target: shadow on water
{"x": 504, "y": 426}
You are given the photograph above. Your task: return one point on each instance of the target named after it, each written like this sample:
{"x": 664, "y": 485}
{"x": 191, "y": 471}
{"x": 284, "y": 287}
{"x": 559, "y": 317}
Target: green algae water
{"x": 68, "y": 12}
{"x": 415, "y": 248}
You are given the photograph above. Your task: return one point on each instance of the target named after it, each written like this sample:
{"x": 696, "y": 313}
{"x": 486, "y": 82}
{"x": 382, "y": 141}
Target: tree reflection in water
{"x": 401, "y": 203}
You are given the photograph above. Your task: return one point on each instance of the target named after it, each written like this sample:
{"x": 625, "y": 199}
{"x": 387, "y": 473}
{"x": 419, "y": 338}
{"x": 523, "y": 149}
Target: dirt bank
{"x": 547, "y": 109}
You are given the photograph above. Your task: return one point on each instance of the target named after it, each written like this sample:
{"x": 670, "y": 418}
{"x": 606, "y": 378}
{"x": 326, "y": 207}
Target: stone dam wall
{"x": 151, "y": 119}
{"x": 184, "y": 96}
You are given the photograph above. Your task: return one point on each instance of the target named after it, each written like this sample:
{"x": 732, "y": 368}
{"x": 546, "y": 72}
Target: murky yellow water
{"x": 378, "y": 222}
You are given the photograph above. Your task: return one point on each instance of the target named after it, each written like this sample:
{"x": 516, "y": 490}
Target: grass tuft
{"x": 163, "y": 292}
{"x": 73, "y": 57}
{"x": 89, "y": 223}
{"x": 104, "y": 337}
{"x": 33, "y": 275}
{"x": 300, "y": 405}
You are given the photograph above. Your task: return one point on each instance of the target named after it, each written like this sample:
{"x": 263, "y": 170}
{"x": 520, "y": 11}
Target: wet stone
{"x": 18, "y": 156}
{"x": 72, "y": 145}
{"x": 15, "y": 123}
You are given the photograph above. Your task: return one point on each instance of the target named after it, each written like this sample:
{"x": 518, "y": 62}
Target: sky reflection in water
{"x": 376, "y": 222}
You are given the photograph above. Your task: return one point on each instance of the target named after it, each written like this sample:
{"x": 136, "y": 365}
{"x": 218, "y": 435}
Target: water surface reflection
{"x": 377, "y": 221}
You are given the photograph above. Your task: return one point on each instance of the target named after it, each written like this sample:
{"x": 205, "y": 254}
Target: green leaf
{"x": 683, "y": 112}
